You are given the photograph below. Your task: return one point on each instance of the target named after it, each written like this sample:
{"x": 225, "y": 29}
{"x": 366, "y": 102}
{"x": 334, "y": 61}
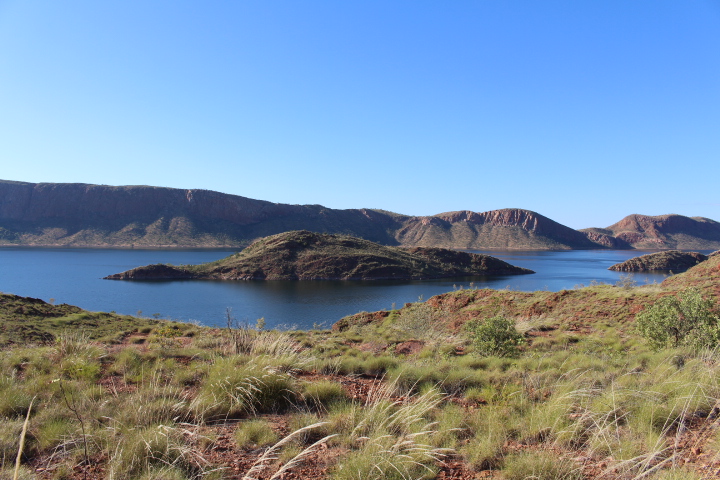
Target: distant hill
{"x": 670, "y": 260}
{"x": 76, "y": 214}
{"x": 81, "y": 215}
{"x": 659, "y": 232}
{"x": 303, "y": 255}
{"x": 55, "y": 214}
{"x": 509, "y": 228}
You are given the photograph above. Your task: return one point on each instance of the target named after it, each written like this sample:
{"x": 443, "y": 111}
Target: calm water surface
{"x": 74, "y": 276}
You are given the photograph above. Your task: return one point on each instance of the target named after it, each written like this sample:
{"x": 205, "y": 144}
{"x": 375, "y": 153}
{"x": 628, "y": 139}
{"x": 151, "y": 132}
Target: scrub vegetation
{"x": 459, "y": 387}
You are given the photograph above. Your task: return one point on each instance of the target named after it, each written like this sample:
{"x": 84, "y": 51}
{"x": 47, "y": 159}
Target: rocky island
{"x": 304, "y": 255}
{"x": 671, "y": 260}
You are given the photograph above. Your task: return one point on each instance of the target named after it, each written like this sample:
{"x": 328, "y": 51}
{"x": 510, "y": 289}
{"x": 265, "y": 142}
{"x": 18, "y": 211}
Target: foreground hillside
{"x": 580, "y": 308}
{"x": 303, "y": 255}
{"x": 80, "y": 215}
{"x": 570, "y": 392}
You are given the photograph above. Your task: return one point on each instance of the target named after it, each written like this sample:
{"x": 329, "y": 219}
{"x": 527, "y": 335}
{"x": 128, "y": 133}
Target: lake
{"x": 74, "y": 276}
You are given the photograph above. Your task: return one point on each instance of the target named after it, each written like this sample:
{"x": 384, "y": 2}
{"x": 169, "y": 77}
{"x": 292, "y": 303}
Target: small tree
{"x": 687, "y": 319}
{"x": 495, "y": 336}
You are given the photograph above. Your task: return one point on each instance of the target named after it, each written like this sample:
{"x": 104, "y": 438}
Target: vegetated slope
{"x": 24, "y": 319}
{"x": 50, "y": 214}
{"x": 577, "y": 309}
{"x": 303, "y": 255}
{"x": 661, "y": 232}
{"x": 510, "y": 228}
{"x": 670, "y": 260}
{"x": 704, "y": 276}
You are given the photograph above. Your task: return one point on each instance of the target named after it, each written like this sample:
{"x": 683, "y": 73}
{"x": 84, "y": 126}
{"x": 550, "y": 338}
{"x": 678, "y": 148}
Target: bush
{"x": 687, "y": 319}
{"x": 495, "y": 336}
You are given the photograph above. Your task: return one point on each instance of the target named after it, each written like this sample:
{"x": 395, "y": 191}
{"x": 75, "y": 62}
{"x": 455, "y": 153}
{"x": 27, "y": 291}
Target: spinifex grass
{"x": 194, "y": 408}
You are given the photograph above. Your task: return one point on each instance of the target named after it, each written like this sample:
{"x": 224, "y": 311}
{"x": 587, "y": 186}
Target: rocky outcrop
{"x": 671, "y": 260}
{"x": 303, "y": 255}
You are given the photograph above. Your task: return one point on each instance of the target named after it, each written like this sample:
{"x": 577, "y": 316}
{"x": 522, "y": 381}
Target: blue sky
{"x": 583, "y": 111}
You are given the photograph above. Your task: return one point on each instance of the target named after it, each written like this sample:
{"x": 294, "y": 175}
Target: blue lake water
{"x": 74, "y": 276}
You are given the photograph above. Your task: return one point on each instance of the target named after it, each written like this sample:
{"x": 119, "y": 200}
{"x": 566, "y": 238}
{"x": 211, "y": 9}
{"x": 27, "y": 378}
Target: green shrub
{"x": 687, "y": 319}
{"x": 495, "y": 336}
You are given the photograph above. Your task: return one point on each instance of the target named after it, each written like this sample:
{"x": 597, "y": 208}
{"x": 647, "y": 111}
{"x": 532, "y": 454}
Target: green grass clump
{"x": 231, "y": 390}
{"x": 539, "y": 465}
{"x": 14, "y": 399}
{"x": 323, "y": 393}
{"x": 148, "y": 450}
{"x": 255, "y": 433}
{"x": 9, "y": 436}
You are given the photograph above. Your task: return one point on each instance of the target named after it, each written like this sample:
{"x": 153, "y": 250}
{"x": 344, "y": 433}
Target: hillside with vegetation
{"x": 303, "y": 255}
{"x": 599, "y": 382}
{"x": 81, "y": 215}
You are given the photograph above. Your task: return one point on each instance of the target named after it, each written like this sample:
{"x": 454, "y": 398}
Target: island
{"x": 304, "y": 255}
{"x": 670, "y": 260}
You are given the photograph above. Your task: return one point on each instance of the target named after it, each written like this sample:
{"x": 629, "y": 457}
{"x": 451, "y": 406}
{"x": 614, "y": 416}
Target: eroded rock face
{"x": 672, "y": 260}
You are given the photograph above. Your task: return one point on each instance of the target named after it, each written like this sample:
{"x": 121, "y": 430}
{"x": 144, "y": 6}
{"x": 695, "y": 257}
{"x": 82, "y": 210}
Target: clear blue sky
{"x": 583, "y": 111}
